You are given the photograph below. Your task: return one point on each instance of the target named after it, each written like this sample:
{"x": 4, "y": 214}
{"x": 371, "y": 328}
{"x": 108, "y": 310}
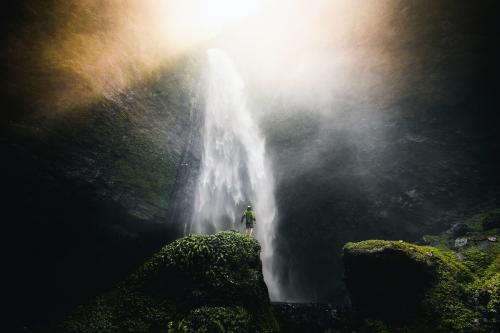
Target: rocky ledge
{"x": 199, "y": 283}
{"x": 214, "y": 283}
{"x": 401, "y": 287}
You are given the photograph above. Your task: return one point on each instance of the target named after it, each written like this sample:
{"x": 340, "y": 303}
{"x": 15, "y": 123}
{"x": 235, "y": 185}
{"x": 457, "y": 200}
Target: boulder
{"x": 199, "y": 283}
{"x": 307, "y": 317}
{"x": 461, "y": 242}
{"x": 214, "y": 319}
{"x": 414, "y": 288}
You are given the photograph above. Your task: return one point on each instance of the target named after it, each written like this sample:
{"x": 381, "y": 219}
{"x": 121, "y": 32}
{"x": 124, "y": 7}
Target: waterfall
{"x": 234, "y": 171}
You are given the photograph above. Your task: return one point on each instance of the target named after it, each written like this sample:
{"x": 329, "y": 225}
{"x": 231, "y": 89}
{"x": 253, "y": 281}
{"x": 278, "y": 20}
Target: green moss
{"x": 98, "y": 317}
{"x": 465, "y": 288}
{"x": 425, "y": 254}
{"x": 447, "y": 301}
{"x": 215, "y": 266}
{"x": 477, "y": 260}
{"x": 191, "y": 284}
{"x": 444, "y": 301}
{"x": 491, "y": 287}
{"x": 436, "y": 241}
{"x": 484, "y": 224}
{"x": 486, "y": 291}
{"x": 121, "y": 310}
{"x": 221, "y": 269}
{"x": 213, "y": 320}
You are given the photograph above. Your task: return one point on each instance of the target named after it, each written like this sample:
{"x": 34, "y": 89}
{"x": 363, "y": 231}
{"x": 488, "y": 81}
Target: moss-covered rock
{"x": 199, "y": 283}
{"x": 452, "y": 285}
{"x": 486, "y": 292}
{"x": 416, "y": 287}
{"x": 447, "y": 287}
{"x": 214, "y": 319}
{"x": 307, "y": 317}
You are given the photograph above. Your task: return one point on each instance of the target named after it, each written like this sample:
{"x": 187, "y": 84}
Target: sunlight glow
{"x": 194, "y": 20}
{"x": 217, "y": 14}
{"x": 282, "y": 44}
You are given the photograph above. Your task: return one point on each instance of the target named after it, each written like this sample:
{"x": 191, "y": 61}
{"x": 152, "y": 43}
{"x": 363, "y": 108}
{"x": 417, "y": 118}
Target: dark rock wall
{"x": 403, "y": 158}
{"x": 94, "y": 191}
{"x": 90, "y": 191}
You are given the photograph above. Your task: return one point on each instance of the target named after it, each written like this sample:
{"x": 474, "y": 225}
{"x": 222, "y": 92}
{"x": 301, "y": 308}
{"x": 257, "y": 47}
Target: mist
{"x": 366, "y": 108}
{"x": 375, "y": 119}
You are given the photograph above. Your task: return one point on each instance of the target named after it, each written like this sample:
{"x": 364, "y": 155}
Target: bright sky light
{"x": 207, "y": 18}
{"x": 279, "y": 43}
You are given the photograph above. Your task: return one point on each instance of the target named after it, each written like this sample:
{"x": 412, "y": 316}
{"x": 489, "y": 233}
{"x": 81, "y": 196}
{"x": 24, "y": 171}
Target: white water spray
{"x": 234, "y": 171}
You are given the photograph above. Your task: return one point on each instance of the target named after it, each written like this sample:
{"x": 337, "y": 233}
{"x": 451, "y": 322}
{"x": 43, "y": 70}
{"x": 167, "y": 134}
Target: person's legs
{"x": 249, "y": 230}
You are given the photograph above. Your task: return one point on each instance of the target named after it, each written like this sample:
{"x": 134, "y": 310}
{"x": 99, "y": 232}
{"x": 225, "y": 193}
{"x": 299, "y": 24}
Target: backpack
{"x": 249, "y": 216}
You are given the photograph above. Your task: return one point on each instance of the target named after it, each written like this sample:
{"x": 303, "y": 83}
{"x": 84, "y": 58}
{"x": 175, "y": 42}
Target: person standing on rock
{"x": 249, "y": 218}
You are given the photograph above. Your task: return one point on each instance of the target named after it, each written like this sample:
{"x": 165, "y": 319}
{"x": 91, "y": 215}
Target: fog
{"x": 377, "y": 116}
{"x": 366, "y": 108}
{"x": 318, "y": 76}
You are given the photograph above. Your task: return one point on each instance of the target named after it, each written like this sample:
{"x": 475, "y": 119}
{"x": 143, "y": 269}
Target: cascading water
{"x": 234, "y": 172}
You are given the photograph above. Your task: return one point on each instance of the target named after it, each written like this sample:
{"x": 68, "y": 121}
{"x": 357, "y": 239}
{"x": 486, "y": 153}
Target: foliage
{"x": 437, "y": 242}
{"x": 476, "y": 259}
{"x": 483, "y": 224}
{"x": 306, "y": 317}
{"x": 213, "y": 320}
{"x": 199, "y": 283}
{"x": 462, "y": 293}
{"x": 436, "y": 285}
{"x": 486, "y": 291}
{"x": 96, "y": 318}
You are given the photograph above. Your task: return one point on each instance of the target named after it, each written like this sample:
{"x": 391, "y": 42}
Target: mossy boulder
{"x": 438, "y": 288}
{"x": 214, "y": 319}
{"x": 199, "y": 283}
{"x": 419, "y": 288}
{"x": 486, "y": 293}
{"x": 309, "y": 317}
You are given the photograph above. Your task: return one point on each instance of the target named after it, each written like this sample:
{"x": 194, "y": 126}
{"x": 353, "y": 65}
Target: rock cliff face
{"x": 91, "y": 189}
{"x": 127, "y": 148}
{"x": 396, "y": 161}
{"x": 195, "y": 284}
